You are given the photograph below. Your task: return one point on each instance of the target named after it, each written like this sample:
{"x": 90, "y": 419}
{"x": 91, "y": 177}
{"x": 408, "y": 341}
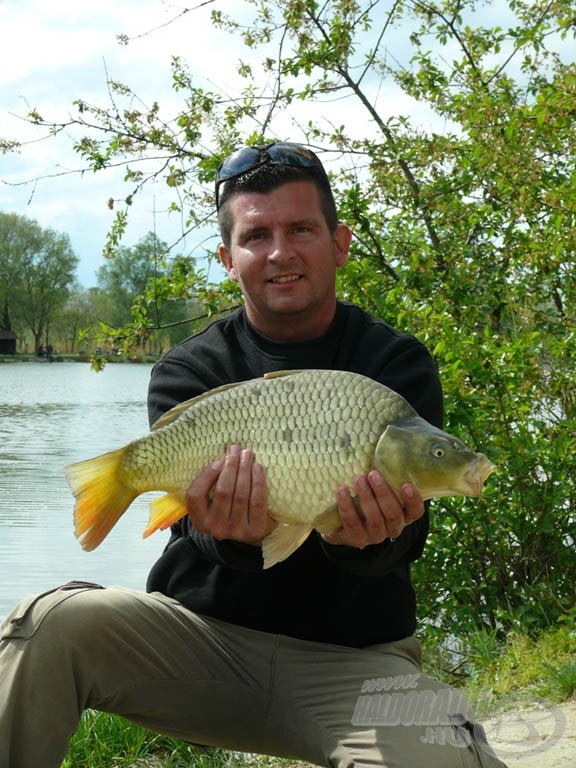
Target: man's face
{"x": 284, "y": 258}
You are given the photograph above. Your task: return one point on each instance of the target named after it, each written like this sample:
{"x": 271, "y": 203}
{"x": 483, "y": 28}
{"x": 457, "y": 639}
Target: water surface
{"x": 52, "y": 414}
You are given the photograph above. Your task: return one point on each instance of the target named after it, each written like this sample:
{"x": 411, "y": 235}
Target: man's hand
{"x": 228, "y": 499}
{"x": 378, "y": 514}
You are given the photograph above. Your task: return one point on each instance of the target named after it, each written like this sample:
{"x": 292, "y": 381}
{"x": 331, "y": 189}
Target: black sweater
{"x": 332, "y": 594}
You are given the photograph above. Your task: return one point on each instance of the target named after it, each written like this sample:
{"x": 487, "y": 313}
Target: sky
{"x": 52, "y": 53}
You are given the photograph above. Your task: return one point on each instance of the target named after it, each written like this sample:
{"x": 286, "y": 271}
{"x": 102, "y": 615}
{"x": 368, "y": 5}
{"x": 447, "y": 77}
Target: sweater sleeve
{"x": 174, "y": 379}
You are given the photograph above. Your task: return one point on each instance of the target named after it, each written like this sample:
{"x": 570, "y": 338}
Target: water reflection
{"x": 50, "y": 416}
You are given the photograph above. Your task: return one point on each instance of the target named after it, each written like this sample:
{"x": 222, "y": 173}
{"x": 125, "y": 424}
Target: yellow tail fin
{"x": 164, "y": 512}
{"x": 101, "y": 497}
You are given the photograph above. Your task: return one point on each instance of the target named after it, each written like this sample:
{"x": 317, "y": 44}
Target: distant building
{"x": 7, "y": 343}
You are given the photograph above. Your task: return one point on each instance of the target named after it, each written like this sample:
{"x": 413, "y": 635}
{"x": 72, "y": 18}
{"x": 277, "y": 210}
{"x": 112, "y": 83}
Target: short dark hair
{"x": 266, "y": 178}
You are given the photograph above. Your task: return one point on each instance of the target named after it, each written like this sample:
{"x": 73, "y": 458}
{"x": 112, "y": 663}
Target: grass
{"x": 108, "y": 741}
{"x": 490, "y": 670}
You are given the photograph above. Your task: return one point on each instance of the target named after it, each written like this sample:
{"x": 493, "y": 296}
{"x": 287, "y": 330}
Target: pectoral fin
{"x": 283, "y": 541}
{"x": 328, "y": 521}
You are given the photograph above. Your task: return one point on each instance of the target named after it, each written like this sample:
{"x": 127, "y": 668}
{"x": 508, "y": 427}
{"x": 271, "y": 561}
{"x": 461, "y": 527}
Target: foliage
{"x": 465, "y": 235}
{"x": 71, "y": 321}
{"x": 36, "y": 274}
{"x": 148, "y": 297}
{"x": 500, "y": 673}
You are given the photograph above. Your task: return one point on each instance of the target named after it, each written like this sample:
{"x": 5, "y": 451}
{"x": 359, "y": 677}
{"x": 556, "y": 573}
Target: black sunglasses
{"x": 279, "y": 153}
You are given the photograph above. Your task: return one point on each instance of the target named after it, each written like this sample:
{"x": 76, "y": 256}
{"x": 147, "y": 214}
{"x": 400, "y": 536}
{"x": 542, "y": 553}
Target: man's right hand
{"x": 228, "y": 499}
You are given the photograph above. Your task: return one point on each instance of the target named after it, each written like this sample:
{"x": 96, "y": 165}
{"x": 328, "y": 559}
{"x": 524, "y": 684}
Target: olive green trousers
{"x": 147, "y": 658}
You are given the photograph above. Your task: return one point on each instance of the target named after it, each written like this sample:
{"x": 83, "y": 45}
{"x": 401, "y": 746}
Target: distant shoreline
{"x": 76, "y": 358}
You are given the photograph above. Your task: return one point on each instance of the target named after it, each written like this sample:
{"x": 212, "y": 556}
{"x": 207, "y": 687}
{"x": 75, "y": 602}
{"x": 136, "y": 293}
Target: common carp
{"x": 311, "y": 430}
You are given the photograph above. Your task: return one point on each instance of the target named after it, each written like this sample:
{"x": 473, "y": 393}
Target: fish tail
{"x": 101, "y": 496}
{"x": 164, "y": 512}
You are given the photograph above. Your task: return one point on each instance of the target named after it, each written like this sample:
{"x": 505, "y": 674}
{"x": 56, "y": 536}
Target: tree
{"x": 20, "y": 239}
{"x": 75, "y": 318}
{"x": 143, "y": 295}
{"x": 38, "y": 270}
{"x": 464, "y": 234}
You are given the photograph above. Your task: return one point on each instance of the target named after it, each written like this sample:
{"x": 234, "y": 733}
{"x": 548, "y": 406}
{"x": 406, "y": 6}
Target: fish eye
{"x": 437, "y": 452}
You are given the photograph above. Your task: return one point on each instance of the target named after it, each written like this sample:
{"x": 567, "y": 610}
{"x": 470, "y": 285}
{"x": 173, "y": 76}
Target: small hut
{"x": 7, "y": 343}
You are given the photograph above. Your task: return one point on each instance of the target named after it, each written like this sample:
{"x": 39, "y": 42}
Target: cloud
{"x": 54, "y": 53}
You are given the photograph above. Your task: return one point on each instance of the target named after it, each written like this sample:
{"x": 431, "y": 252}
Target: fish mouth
{"x": 478, "y": 474}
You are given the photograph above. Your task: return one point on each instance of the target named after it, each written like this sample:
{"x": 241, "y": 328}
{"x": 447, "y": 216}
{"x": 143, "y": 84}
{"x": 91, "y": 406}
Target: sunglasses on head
{"x": 278, "y": 153}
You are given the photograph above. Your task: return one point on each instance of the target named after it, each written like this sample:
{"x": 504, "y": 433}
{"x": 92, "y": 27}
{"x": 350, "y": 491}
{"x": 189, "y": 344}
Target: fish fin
{"x": 175, "y": 412}
{"x": 101, "y": 496}
{"x": 279, "y": 374}
{"x": 283, "y": 541}
{"x": 327, "y": 521}
{"x": 164, "y": 512}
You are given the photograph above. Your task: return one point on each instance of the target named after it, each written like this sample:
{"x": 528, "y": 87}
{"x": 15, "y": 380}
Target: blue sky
{"x": 52, "y": 53}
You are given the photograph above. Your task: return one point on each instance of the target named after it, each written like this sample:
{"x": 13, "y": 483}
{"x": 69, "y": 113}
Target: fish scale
{"x": 312, "y": 430}
{"x": 259, "y": 416}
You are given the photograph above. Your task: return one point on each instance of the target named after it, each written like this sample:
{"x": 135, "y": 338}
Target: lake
{"x": 52, "y": 414}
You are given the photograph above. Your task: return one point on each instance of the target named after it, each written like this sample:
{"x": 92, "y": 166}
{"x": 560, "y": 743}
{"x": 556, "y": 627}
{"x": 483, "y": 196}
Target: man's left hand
{"x": 377, "y": 514}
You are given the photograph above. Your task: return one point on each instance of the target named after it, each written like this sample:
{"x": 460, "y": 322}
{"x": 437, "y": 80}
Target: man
{"x": 314, "y": 658}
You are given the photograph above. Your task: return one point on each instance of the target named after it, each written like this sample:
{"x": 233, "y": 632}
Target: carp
{"x": 311, "y": 430}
